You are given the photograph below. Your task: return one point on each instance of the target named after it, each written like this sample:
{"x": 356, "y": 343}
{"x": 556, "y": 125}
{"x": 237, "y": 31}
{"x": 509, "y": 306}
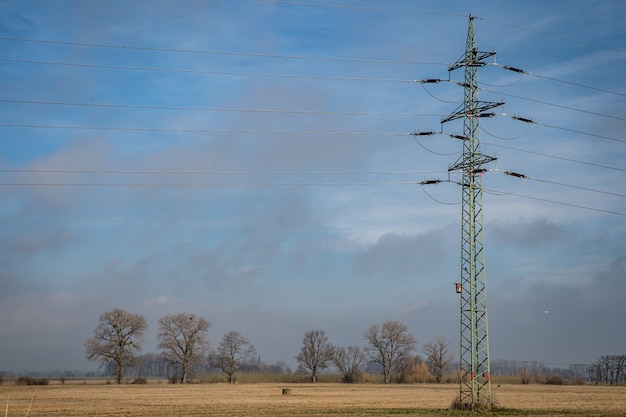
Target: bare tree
{"x": 438, "y": 357}
{"x": 349, "y": 361}
{"x": 182, "y": 340}
{"x": 116, "y": 340}
{"x": 315, "y": 353}
{"x": 609, "y": 369}
{"x": 233, "y": 353}
{"x": 388, "y": 344}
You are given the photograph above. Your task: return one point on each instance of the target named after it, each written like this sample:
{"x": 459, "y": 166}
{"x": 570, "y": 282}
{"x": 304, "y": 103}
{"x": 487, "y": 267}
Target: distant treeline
{"x": 608, "y": 369}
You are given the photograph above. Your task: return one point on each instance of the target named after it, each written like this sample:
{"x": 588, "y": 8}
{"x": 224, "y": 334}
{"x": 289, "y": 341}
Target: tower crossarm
{"x": 471, "y": 109}
{"x": 471, "y": 58}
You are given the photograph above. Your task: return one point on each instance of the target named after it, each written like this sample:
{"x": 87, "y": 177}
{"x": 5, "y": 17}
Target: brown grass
{"x": 330, "y": 400}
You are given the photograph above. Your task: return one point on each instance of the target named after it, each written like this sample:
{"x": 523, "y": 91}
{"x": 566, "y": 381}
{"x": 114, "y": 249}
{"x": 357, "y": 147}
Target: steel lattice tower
{"x": 475, "y": 384}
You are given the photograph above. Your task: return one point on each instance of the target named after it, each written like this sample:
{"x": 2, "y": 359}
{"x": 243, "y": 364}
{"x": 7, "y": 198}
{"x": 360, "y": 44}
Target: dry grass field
{"x": 329, "y": 400}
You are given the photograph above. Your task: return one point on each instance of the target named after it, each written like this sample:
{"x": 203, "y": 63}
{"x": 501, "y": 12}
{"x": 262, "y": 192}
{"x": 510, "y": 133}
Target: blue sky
{"x": 249, "y": 161}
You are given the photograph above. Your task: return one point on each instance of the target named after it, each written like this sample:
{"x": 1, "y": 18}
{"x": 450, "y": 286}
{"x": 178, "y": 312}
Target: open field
{"x": 330, "y": 400}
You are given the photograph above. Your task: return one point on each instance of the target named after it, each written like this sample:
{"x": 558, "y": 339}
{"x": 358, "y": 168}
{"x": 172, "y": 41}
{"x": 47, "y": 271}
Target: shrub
{"x": 555, "y": 379}
{"x": 140, "y": 380}
{"x": 28, "y": 380}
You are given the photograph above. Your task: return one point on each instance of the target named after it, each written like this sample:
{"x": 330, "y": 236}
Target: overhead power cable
{"x": 408, "y": 11}
{"x": 283, "y": 173}
{"x": 547, "y": 103}
{"x": 577, "y": 161}
{"x": 197, "y": 71}
{"x": 551, "y": 35}
{"x": 216, "y": 109}
{"x": 521, "y": 71}
{"x": 499, "y": 193}
{"x": 371, "y": 9}
{"x": 291, "y": 76}
{"x": 578, "y": 187}
{"x": 272, "y": 132}
{"x": 159, "y": 172}
{"x": 236, "y": 131}
{"x": 281, "y": 184}
{"x": 201, "y": 185}
{"x": 526, "y": 120}
{"x": 533, "y": 122}
{"x": 244, "y": 110}
{"x": 227, "y": 53}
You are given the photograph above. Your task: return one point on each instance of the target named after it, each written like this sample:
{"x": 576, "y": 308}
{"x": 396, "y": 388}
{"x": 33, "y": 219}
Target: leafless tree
{"x": 537, "y": 369}
{"x": 182, "y": 340}
{"x": 505, "y": 367}
{"x": 315, "y": 353}
{"x": 116, "y": 340}
{"x": 349, "y": 361}
{"x": 579, "y": 373}
{"x": 233, "y": 353}
{"x": 388, "y": 344}
{"x": 609, "y": 369}
{"x": 524, "y": 373}
{"x": 438, "y": 357}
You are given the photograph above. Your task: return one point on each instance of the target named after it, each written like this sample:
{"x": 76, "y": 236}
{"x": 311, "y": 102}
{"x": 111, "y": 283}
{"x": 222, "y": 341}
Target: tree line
{"x": 608, "y": 369}
{"x": 184, "y": 346}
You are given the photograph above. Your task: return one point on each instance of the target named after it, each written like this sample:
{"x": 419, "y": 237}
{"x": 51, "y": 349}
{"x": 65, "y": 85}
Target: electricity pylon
{"x": 475, "y": 375}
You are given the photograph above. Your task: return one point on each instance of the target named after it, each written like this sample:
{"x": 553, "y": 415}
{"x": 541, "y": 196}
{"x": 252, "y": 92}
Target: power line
{"x": 499, "y": 193}
{"x": 525, "y": 120}
{"x": 371, "y": 9}
{"x": 551, "y": 35}
{"x": 502, "y": 193}
{"x": 283, "y": 184}
{"x": 235, "y": 131}
{"x": 547, "y": 103}
{"x": 279, "y": 173}
{"x": 245, "y": 110}
{"x": 533, "y": 122}
{"x": 216, "y": 109}
{"x": 227, "y": 53}
{"x": 243, "y": 131}
{"x": 523, "y": 176}
{"x": 95, "y": 171}
{"x": 521, "y": 150}
{"x": 291, "y": 76}
{"x": 205, "y": 72}
{"x": 577, "y": 161}
{"x": 520, "y": 71}
{"x": 405, "y": 11}
{"x": 202, "y": 185}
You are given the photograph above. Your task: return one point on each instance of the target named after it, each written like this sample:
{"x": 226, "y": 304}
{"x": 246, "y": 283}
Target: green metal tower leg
{"x": 475, "y": 376}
